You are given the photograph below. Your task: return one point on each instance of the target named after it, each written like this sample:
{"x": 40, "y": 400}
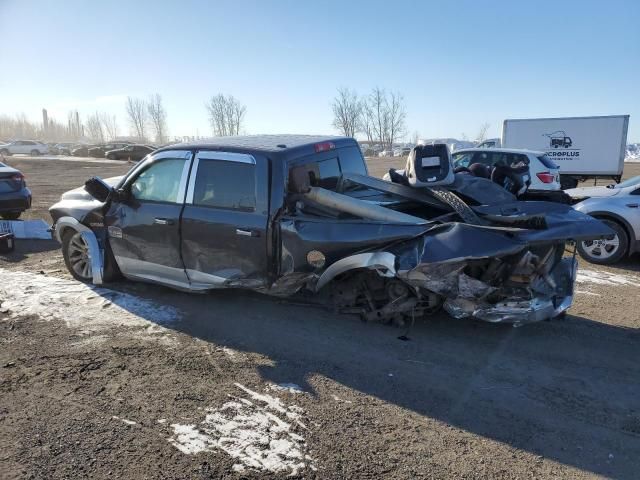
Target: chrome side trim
{"x": 183, "y": 181}
{"x": 200, "y": 280}
{"x": 383, "y": 262}
{"x": 171, "y": 276}
{"x": 192, "y": 181}
{"x": 226, "y": 156}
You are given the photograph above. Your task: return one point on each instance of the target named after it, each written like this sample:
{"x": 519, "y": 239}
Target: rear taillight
{"x": 324, "y": 147}
{"x": 546, "y": 177}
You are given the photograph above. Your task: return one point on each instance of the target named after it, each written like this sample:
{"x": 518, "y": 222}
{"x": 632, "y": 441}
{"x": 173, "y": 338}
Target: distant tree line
{"x": 145, "y": 117}
{"x": 380, "y": 115}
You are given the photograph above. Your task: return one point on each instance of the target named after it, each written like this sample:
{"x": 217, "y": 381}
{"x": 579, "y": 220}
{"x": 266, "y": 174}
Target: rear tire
{"x": 35, "y": 153}
{"x": 11, "y": 215}
{"x": 111, "y": 156}
{"x": 5, "y": 152}
{"x": 608, "y": 251}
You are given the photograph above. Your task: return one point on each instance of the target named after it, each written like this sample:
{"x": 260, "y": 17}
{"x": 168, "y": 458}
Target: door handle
{"x": 247, "y": 232}
{"x": 632, "y": 205}
{"x": 163, "y": 221}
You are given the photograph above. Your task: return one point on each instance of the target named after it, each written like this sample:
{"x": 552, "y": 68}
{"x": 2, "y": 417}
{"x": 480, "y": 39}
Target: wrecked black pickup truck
{"x": 283, "y": 214}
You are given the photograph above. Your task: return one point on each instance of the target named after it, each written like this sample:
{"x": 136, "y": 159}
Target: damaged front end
{"x": 533, "y": 284}
{"x": 503, "y": 263}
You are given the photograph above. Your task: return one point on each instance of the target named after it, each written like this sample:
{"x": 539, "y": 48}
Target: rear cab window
{"x": 325, "y": 168}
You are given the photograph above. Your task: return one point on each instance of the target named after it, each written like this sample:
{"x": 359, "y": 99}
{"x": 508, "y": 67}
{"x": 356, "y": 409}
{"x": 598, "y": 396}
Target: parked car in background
{"x": 81, "y": 150}
{"x": 545, "y": 174}
{"x": 402, "y": 152}
{"x": 26, "y": 147}
{"x": 15, "y": 197}
{"x": 617, "y": 205}
{"x": 386, "y": 153}
{"x": 62, "y": 148}
{"x": 100, "y": 150}
{"x": 130, "y": 152}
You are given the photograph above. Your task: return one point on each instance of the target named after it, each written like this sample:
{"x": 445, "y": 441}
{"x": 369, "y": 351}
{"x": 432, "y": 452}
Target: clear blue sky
{"x": 458, "y": 64}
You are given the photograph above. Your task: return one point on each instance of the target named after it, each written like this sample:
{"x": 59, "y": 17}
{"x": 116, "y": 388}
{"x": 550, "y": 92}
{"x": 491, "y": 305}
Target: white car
{"x": 545, "y": 175}
{"x": 386, "y": 153}
{"x": 619, "y": 207}
{"x": 27, "y": 147}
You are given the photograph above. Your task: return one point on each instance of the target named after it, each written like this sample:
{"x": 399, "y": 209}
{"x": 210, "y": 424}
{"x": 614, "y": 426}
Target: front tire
{"x": 35, "y": 153}
{"x": 606, "y": 251}
{"x": 111, "y": 156}
{"x": 5, "y": 152}
{"x": 75, "y": 252}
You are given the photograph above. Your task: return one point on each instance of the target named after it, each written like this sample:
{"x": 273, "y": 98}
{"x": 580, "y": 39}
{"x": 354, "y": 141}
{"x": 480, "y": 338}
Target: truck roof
{"x": 265, "y": 143}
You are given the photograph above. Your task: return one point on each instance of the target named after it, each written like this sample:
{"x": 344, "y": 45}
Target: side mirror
{"x": 98, "y": 188}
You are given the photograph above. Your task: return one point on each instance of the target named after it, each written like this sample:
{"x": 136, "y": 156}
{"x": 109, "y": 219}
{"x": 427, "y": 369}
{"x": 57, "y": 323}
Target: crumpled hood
{"x": 81, "y": 194}
{"x": 584, "y": 192}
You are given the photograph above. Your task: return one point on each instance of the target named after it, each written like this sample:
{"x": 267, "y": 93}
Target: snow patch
{"x": 285, "y": 387}
{"x": 37, "y": 229}
{"x": 257, "y": 431}
{"x": 586, "y": 292}
{"x": 338, "y": 399}
{"x": 124, "y": 420}
{"x": 606, "y": 278}
{"x": 79, "y": 305}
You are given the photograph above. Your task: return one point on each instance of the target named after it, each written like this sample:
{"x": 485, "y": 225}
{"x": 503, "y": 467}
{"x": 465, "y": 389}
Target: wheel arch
{"x": 97, "y": 255}
{"x": 384, "y": 262}
{"x": 622, "y": 222}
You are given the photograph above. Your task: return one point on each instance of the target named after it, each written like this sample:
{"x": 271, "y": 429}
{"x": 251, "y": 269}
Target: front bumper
{"x": 17, "y": 201}
{"x": 520, "y": 312}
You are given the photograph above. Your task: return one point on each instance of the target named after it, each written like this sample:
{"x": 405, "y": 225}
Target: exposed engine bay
{"x": 465, "y": 245}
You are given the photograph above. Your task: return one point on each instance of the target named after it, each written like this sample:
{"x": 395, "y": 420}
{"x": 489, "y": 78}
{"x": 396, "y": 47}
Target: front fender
{"x": 96, "y": 254}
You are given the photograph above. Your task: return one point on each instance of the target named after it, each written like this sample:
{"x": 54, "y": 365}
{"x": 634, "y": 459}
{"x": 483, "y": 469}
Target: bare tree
{"x": 367, "y": 119}
{"x": 94, "y": 128}
{"x": 137, "y": 113}
{"x": 109, "y": 125}
{"x": 158, "y": 117}
{"x": 482, "y": 133}
{"x": 396, "y": 115}
{"x": 347, "y": 109}
{"x": 415, "y": 137}
{"x": 383, "y": 117}
{"x": 226, "y": 114}
{"x": 378, "y": 102}
{"x": 74, "y": 125}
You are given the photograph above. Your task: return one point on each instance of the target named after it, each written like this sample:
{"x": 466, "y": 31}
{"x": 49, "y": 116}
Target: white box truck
{"x": 583, "y": 147}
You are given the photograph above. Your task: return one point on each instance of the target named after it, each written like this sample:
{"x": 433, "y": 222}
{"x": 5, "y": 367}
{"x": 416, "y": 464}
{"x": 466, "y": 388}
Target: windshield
{"x": 627, "y": 183}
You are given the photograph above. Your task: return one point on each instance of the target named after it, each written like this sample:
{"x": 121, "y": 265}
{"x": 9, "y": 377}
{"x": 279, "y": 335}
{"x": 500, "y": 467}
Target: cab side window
{"x": 160, "y": 182}
{"x": 225, "y": 184}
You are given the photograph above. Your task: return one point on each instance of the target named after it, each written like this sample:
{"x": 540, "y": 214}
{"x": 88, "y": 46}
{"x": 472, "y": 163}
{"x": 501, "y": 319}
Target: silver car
{"x": 619, "y": 207}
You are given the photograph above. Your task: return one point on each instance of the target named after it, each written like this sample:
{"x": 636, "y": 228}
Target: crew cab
{"x": 280, "y": 214}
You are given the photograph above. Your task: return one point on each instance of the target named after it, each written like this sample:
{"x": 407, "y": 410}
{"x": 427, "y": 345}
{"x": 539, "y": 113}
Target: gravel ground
{"x": 140, "y": 381}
